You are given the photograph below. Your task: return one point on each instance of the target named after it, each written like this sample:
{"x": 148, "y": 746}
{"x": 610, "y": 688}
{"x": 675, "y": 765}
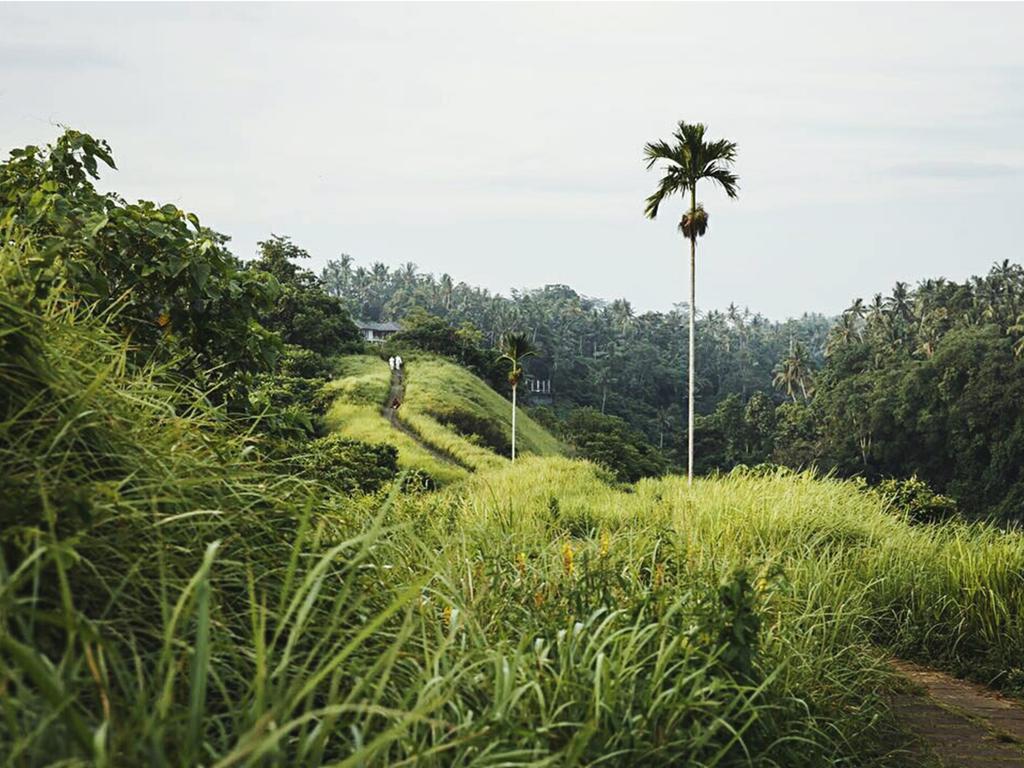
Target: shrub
{"x": 156, "y": 273}
{"x": 299, "y": 361}
{"x": 612, "y": 443}
{"x": 917, "y": 500}
{"x": 350, "y": 465}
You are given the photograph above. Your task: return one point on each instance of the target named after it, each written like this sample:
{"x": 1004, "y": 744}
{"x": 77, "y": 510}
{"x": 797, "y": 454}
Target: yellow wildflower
{"x": 605, "y": 545}
{"x": 521, "y": 565}
{"x": 567, "y": 555}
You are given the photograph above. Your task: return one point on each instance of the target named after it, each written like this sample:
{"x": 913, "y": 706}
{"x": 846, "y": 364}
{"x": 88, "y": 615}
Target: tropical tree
{"x": 689, "y": 160}
{"x": 846, "y": 331}
{"x": 1017, "y": 330}
{"x": 515, "y": 347}
{"x": 794, "y": 372}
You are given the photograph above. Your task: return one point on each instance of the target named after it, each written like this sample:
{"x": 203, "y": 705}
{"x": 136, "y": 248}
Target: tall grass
{"x": 168, "y": 597}
{"x": 444, "y": 391}
{"x": 462, "y": 450}
{"x": 359, "y": 393}
{"x": 365, "y": 422}
{"x": 165, "y": 595}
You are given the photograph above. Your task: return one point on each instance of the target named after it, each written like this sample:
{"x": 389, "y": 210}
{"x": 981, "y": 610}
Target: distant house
{"x": 539, "y": 390}
{"x": 376, "y": 332}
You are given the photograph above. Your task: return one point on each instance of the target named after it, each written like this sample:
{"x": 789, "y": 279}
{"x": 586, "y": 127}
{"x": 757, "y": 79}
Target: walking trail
{"x": 397, "y": 392}
{"x": 959, "y": 724}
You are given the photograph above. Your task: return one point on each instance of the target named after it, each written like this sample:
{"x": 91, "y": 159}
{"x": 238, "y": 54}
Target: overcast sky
{"x": 503, "y": 143}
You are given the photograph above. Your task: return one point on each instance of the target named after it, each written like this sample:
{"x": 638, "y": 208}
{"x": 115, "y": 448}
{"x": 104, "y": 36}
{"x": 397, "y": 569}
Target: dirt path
{"x": 397, "y": 392}
{"x": 959, "y": 724}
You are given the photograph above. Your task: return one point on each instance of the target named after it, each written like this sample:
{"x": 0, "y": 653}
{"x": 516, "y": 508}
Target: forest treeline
{"x": 924, "y": 381}
{"x": 596, "y": 353}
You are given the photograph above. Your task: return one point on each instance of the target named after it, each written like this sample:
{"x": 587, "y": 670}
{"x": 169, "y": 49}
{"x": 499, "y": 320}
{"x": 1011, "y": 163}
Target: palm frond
{"x": 661, "y": 150}
{"x": 672, "y": 182}
{"x": 515, "y": 346}
{"x": 689, "y": 160}
{"x": 726, "y": 179}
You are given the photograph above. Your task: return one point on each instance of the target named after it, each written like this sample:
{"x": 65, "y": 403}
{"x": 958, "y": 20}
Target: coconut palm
{"x": 1017, "y": 331}
{"x": 514, "y": 348}
{"x": 794, "y": 372}
{"x": 689, "y": 159}
{"x": 857, "y": 309}
{"x": 844, "y": 333}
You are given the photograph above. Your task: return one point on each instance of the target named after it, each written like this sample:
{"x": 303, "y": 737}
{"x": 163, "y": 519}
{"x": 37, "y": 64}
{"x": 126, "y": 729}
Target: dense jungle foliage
{"x": 925, "y": 382}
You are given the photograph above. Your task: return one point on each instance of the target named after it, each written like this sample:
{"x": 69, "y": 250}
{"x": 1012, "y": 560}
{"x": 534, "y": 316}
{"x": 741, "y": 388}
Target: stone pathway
{"x": 959, "y": 724}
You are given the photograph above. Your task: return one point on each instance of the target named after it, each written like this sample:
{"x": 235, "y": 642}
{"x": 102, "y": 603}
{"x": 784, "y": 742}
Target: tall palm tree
{"x": 794, "y": 372}
{"x": 689, "y": 160}
{"x": 1017, "y": 330}
{"x": 857, "y": 309}
{"x": 843, "y": 333}
{"x": 514, "y": 348}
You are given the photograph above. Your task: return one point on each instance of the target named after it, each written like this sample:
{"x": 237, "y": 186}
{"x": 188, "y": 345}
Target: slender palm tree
{"x": 794, "y": 372}
{"x": 689, "y": 160}
{"x": 857, "y": 309}
{"x": 843, "y": 333}
{"x": 1017, "y": 331}
{"x": 514, "y": 348}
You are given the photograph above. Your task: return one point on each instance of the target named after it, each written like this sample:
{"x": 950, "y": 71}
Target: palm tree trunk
{"x": 693, "y": 312}
{"x": 513, "y": 423}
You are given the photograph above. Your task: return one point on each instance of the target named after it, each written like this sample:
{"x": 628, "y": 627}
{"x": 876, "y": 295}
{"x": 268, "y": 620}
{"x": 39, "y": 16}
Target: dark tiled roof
{"x": 365, "y": 325}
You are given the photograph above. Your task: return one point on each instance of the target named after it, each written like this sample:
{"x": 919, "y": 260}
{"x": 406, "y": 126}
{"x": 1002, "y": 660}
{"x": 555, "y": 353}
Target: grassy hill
{"x": 360, "y": 393}
{"x": 170, "y": 596}
{"x": 451, "y": 423}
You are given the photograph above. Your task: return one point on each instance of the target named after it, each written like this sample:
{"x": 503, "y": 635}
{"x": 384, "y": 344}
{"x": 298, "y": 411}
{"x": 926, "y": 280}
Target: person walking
{"x": 391, "y": 362}
{"x": 398, "y": 362}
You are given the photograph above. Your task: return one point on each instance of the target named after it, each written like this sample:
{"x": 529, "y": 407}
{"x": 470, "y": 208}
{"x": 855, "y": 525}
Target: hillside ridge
{"x": 450, "y": 422}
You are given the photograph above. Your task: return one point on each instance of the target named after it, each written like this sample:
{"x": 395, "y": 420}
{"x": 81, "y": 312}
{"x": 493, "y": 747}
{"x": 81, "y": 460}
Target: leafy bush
{"x": 915, "y": 498}
{"x": 610, "y": 442}
{"x": 304, "y": 314}
{"x": 350, "y": 465}
{"x": 428, "y": 333}
{"x": 305, "y": 363}
{"x": 155, "y": 271}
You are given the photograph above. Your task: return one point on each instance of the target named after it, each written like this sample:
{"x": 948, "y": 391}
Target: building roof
{"x": 366, "y": 325}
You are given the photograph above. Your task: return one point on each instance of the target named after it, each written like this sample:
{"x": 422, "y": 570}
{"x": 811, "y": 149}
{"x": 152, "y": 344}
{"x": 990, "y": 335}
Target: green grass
{"x": 949, "y": 594}
{"x": 464, "y": 451}
{"x": 450, "y": 394}
{"x": 169, "y": 597}
{"x": 438, "y": 395}
{"x": 359, "y": 393}
{"x": 365, "y": 422}
{"x": 362, "y": 380}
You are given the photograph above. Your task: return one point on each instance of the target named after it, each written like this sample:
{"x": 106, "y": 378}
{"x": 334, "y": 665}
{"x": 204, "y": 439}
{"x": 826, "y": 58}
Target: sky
{"x": 503, "y": 143}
